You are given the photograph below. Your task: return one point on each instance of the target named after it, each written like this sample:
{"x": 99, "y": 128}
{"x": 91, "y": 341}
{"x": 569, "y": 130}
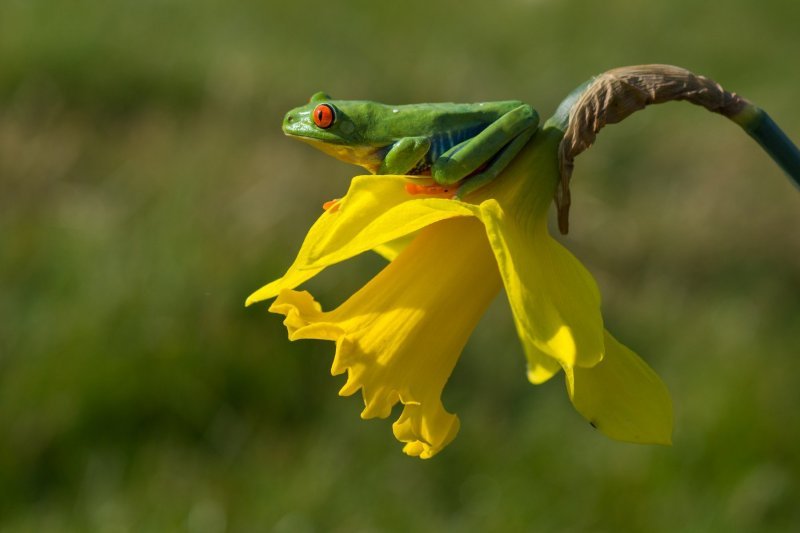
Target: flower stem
{"x": 616, "y": 94}
{"x": 760, "y": 126}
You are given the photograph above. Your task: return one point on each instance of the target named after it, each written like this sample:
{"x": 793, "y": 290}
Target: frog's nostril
{"x": 290, "y": 119}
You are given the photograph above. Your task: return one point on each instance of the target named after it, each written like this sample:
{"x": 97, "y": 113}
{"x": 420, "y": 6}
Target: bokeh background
{"x": 146, "y": 190}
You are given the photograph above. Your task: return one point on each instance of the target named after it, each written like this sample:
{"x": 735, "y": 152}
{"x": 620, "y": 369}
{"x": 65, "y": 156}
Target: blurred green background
{"x": 146, "y": 190}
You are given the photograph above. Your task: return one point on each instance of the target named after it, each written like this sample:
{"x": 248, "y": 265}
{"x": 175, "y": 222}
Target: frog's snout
{"x": 290, "y": 122}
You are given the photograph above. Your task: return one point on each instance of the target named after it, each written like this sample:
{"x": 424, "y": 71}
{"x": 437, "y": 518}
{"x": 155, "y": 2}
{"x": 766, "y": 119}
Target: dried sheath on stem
{"x": 614, "y": 95}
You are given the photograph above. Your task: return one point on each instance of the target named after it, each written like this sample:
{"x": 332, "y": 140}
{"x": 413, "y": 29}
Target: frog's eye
{"x": 323, "y": 116}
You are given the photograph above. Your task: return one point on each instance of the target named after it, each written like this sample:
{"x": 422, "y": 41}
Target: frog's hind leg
{"x": 469, "y": 156}
{"x": 476, "y": 181}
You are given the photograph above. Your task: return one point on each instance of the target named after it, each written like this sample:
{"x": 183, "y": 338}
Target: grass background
{"x": 146, "y": 190}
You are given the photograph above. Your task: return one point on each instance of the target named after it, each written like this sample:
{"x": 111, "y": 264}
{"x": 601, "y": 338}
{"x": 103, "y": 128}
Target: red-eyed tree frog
{"x": 461, "y": 146}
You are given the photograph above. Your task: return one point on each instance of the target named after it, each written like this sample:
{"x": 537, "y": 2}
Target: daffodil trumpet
{"x": 399, "y": 337}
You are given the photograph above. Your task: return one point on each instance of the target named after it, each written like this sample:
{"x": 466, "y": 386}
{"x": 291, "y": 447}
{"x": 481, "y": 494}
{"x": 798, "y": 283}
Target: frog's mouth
{"x": 368, "y": 157}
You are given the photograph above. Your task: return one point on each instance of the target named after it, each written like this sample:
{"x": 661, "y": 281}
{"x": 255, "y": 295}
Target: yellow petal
{"x": 555, "y": 301}
{"x": 541, "y": 367}
{"x": 291, "y": 279}
{"x": 298, "y": 272}
{"x": 377, "y": 213}
{"x": 399, "y": 337}
{"x": 622, "y": 396}
{"x": 390, "y": 250}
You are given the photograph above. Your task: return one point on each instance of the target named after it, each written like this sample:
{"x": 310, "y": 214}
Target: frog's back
{"x": 437, "y": 120}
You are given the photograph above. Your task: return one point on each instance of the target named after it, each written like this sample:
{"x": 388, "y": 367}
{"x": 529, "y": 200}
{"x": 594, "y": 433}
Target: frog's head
{"x": 339, "y": 128}
{"x": 322, "y": 119}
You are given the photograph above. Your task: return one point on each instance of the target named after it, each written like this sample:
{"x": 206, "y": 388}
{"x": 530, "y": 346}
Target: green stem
{"x": 760, "y": 126}
{"x": 614, "y": 95}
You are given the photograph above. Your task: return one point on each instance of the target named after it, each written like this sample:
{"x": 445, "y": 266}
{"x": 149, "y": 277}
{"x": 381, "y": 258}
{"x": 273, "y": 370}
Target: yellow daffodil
{"x": 399, "y": 337}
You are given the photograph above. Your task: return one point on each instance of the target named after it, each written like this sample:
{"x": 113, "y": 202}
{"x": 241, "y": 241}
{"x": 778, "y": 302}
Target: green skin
{"x": 464, "y": 145}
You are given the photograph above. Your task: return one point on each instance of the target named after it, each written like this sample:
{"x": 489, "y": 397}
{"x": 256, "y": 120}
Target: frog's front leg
{"x": 494, "y": 148}
{"x": 405, "y": 155}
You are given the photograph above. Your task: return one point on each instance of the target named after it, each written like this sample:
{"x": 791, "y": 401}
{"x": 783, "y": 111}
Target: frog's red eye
{"x": 323, "y": 116}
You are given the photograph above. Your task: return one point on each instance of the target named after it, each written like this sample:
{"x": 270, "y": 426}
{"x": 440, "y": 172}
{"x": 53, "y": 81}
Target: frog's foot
{"x": 442, "y": 191}
{"x": 332, "y": 206}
